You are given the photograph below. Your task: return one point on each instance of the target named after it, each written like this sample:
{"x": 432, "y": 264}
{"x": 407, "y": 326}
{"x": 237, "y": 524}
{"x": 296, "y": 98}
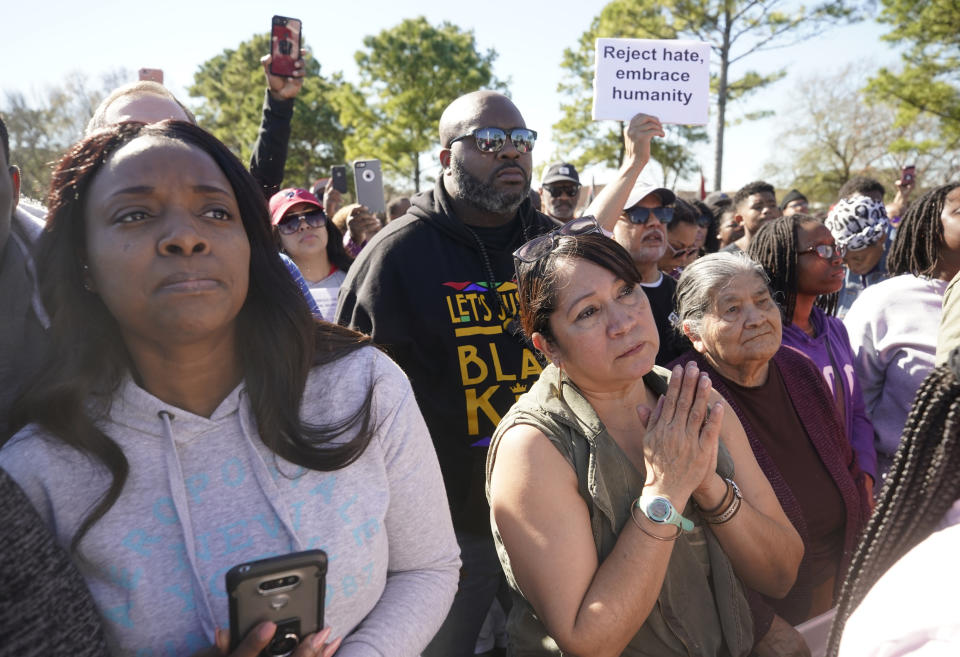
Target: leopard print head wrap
{"x": 857, "y": 222}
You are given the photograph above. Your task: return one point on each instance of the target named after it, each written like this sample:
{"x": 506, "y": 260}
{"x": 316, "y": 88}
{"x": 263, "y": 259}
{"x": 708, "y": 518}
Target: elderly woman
{"x": 626, "y": 504}
{"x": 790, "y": 418}
{"x": 193, "y": 416}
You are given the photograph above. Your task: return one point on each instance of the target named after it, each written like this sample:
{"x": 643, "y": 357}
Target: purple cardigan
{"x": 820, "y": 418}
{"x": 832, "y": 339}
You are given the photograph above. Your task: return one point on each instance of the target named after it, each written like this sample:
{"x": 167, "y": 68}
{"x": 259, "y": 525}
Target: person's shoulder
{"x": 34, "y": 453}
{"x": 355, "y": 372}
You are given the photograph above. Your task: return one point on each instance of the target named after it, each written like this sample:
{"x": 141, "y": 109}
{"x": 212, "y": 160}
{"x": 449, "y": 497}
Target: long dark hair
{"x": 774, "y": 247}
{"x": 88, "y": 357}
{"x": 916, "y": 247}
{"x": 922, "y": 485}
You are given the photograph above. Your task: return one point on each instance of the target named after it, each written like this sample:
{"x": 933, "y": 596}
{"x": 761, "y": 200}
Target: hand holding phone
{"x": 285, "y": 38}
{"x": 369, "y": 183}
{"x": 907, "y": 176}
{"x": 287, "y": 592}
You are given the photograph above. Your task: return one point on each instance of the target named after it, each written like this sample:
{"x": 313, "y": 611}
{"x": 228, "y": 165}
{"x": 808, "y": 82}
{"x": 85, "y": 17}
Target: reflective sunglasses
{"x": 573, "y": 191}
{"x": 491, "y": 140}
{"x": 826, "y": 251}
{"x": 638, "y": 215}
{"x": 703, "y": 221}
{"x": 544, "y": 244}
{"x": 683, "y": 253}
{"x": 291, "y": 223}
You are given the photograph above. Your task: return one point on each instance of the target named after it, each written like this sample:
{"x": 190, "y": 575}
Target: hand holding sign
{"x": 667, "y": 78}
{"x": 637, "y": 136}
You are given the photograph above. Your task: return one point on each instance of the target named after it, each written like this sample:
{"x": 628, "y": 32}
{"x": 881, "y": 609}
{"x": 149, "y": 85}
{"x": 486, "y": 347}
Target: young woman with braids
{"x": 893, "y": 324}
{"x": 192, "y": 414}
{"x": 805, "y": 267}
{"x": 899, "y": 596}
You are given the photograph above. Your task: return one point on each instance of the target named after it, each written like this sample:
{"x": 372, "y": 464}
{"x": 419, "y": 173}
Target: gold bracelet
{"x": 633, "y": 508}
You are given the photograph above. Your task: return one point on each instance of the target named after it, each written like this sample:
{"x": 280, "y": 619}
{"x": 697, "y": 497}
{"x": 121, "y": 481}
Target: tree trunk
{"x": 416, "y": 173}
{"x": 722, "y": 104}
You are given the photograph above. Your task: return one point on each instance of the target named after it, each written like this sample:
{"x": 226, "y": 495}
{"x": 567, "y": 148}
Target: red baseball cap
{"x": 286, "y": 199}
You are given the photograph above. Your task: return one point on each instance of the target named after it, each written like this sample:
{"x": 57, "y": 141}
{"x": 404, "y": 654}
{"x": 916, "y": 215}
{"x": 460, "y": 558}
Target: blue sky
{"x": 530, "y": 36}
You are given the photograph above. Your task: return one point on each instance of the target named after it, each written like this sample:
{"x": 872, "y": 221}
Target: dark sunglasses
{"x": 543, "y": 244}
{"x": 491, "y": 140}
{"x": 683, "y": 253}
{"x": 826, "y": 251}
{"x": 291, "y": 223}
{"x": 703, "y": 221}
{"x": 638, "y": 215}
{"x": 573, "y": 191}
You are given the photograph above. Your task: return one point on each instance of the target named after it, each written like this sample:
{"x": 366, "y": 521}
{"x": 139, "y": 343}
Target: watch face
{"x": 659, "y": 509}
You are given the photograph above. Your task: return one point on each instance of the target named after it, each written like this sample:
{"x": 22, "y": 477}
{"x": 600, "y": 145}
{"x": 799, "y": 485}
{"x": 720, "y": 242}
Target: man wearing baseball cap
{"x": 560, "y": 191}
{"x": 860, "y": 224}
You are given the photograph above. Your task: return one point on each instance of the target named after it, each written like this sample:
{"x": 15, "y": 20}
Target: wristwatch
{"x": 661, "y": 511}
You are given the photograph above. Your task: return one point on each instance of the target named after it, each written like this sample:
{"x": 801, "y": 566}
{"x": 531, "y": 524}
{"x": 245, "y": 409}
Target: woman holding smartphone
{"x": 193, "y": 415}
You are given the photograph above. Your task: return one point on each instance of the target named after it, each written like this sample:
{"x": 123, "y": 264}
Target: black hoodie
{"x": 419, "y": 289}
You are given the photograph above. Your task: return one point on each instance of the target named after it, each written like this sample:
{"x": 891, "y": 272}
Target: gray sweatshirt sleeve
{"x": 424, "y": 558}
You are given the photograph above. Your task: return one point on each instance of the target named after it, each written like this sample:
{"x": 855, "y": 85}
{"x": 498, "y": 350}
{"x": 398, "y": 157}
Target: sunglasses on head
{"x": 492, "y": 140}
{"x": 573, "y": 191}
{"x": 638, "y": 215}
{"x": 544, "y": 244}
{"x": 826, "y": 251}
{"x": 291, "y": 223}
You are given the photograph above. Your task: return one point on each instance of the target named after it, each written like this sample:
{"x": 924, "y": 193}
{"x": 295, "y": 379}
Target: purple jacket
{"x": 832, "y": 340}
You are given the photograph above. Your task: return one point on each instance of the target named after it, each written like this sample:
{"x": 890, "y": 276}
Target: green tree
{"x": 230, "y": 87}
{"x": 735, "y": 29}
{"x": 43, "y": 127}
{"x": 929, "y": 82}
{"x": 408, "y": 75}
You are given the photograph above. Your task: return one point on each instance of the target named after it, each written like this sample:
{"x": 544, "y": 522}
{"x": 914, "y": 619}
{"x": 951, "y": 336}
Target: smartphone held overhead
{"x": 286, "y": 35}
{"x": 369, "y": 183}
{"x": 339, "y": 175}
{"x": 908, "y": 175}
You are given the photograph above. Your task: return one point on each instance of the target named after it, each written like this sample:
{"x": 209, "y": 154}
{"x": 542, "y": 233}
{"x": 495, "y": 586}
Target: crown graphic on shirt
{"x": 518, "y": 388}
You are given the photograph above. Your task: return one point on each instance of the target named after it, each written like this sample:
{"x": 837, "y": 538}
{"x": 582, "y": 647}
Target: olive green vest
{"x": 701, "y": 609}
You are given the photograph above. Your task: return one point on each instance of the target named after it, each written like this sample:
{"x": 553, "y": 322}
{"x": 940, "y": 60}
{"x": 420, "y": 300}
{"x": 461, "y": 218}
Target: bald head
{"x": 466, "y": 113}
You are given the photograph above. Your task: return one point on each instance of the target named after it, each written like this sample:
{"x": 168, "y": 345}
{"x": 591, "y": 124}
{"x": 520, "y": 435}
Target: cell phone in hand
{"x": 339, "y": 175}
{"x": 369, "y": 183}
{"x": 287, "y": 590}
{"x": 285, "y": 37}
{"x": 908, "y": 175}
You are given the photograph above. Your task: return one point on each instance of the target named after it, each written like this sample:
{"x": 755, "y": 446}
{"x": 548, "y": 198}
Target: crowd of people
{"x": 627, "y": 424}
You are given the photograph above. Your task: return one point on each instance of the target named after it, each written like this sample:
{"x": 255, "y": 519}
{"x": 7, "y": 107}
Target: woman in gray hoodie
{"x": 193, "y": 415}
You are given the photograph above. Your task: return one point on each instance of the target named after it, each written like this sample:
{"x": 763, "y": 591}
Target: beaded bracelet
{"x": 633, "y": 509}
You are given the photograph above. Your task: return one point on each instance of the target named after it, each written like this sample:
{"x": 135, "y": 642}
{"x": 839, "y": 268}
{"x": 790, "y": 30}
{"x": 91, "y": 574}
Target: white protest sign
{"x": 669, "y": 79}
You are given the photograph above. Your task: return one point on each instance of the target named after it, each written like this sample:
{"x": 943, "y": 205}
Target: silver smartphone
{"x": 288, "y": 590}
{"x": 369, "y": 183}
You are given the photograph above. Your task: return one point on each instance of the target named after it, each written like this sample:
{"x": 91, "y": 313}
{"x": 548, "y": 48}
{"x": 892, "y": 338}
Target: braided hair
{"x": 922, "y": 485}
{"x": 916, "y": 247}
{"x": 774, "y": 247}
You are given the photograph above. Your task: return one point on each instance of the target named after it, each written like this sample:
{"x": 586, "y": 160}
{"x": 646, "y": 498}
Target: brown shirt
{"x": 769, "y": 409}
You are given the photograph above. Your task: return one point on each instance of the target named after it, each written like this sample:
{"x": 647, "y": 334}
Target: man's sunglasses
{"x": 573, "y": 191}
{"x": 544, "y": 244}
{"x": 491, "y": 140}
{"x": 291, "y": 223}
{"x": 826, "y": 251}
{"x": 638, "y": 215}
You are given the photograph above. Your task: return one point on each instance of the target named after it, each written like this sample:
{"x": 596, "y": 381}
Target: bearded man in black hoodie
{"x": 436, "y": 289}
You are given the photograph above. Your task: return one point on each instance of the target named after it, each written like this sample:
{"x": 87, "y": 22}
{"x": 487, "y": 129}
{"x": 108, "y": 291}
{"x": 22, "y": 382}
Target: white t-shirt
{"x": 325, "y": 293}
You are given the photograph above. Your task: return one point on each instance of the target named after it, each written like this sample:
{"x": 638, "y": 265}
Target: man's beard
{"x": 485, "y": 196}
